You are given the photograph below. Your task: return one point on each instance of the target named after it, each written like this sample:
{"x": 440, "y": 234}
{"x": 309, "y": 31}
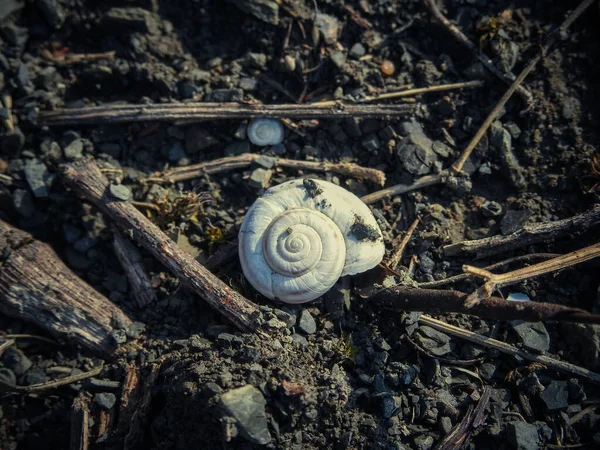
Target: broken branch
{"x": 86, "y": 180}
{"x": 169, "y": 112}
{"x": 559, "y": 366}
{"x": 497, "y": 281}
{"x": 427, "y": 180}
{"x": 246, "y": 159}
{"x": 36, "y": 286}
{"x": 458, "y": 165}
{"x": 528, "y": 235}
{"x": 433, "y": 301}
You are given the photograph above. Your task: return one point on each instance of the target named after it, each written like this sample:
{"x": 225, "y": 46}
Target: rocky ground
{"x": 342, "y": 374}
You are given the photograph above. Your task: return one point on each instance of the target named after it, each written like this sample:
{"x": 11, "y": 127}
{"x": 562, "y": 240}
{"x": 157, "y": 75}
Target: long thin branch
{"x": 433, "y": 301}
{"x": 412, "y": 92}
{"x": 559, "y": 366}
{"x": 464, "y": 276}
{"x": 497, "y": 281}
{"x": 528, "y": 235}
{"x": 458, "y": 165}
{"x": 399, "y": 251}
{"x": 246, "y": 159}
{"x": 169, "y": 112}
{"x": 85, "y": 179}
{"x": 425, "y": 181}
{"x": 463, "y": 39}
{"x": 51, "y": 384}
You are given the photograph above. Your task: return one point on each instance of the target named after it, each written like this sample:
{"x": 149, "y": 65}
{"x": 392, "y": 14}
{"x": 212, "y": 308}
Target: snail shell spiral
{"x": 263, "y": 132}
{"x": 300, "y": 237}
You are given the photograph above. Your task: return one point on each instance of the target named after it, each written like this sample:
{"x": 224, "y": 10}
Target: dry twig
{"x": 458, "y": 165}
{"x": 463, "y": 39}
{"x": 51, "y": 384}
{"x": 427, "y": 180}
{"x": 559, "y": 366}
{"x": 131, "y": 262}
{"x": 433, "y": 301}
{"x": 397, "y": 255}
{"x": 169, "y": 112}
{"x": 85, "y": 179}
{"x": 246, "y": 159}
{"x": 528, "y": 235}
{"x": 80, "y": 416}
{"x": 411, "y": 92}
{"x": 474, "y": 417}
{"x": 497, "y": 281}
{"x": 464, "y": 276}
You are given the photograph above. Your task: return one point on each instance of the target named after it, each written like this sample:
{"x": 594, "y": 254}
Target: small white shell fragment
{"x": 263, "y": 132}
{"x": 518, "y": 297}
{"x": 301, "y": 236}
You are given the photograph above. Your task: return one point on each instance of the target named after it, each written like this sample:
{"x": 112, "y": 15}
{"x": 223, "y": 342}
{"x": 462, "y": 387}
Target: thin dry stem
{"x": 463, "y": 39}
{"x": 458, "y": 165}
{"x": 397, "y": 256}
{"x": 246, "y": 159}
{"x": 497, "y": 281}
{"x": 425, "y": 181}
{"x": 559, "y": 366}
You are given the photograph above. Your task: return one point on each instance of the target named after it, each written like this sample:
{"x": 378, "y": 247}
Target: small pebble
{"x": 120, "y": 191}
{"x": 105, "y": 400}
{"x": 307, "y": 323}
{"x": 388, "y": 67}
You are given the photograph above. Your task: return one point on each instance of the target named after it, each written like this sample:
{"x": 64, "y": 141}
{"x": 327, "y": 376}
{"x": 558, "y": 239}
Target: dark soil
{"x": 342, "y": 374}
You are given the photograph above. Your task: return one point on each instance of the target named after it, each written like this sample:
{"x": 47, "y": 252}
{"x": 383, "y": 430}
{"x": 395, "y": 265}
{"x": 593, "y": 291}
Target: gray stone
{"x": 248, "y": 84}
{"x": 445, "y": 424}
{"x": 388, "y": 404}
{"x": 176, "y": 152}
{"x": 533, "y": 335}
{"x": 7, "y": 376}
{"x": 328, "y": 26}
{"x": 197, "y": 139}
{"x": 266, "y": 162}
{"x": 15, "y": 360}
{"x": 299, "y": 341}
{"x": 501, "y": 139}
{"x": 237, "y": 148}
{"x": 74, "y": 150}
{"x": 8, "y": 7}
{"x": 307, "y": 323}
{"x": 131, "y": 19}
{"x": 491, "y": 209}
{"x": 335, "y": 299}
{"x": 52, "y": 12}
{"x": 487, "y": 370}
{"x": 441, "y": 149}
{"x": 556, "y": 396}
{"x": 265, "y": 10}
{"x": 371, "y": 143}
{"x": 433, "y": 341}
{"x": 23, "y": 203}
{"x": 426, "y": 264}
{"x": 105, "y": 400}
{"x": 424, "y": 442}
{"x": 34, "y": 376}
{"x": 357, "y": 51}
{"x": 83, "y": 244}
{"x": 416, "y": 150}
{"x": 225, "y": 95}
{"x": 338, "y": 58}
{"x": 522, "y": 435}
{"x": 259, "y": 179}
{"x": 37, "y": 177}
{"x": 513, "y": 129}
{"x": 120, "y": 191}
{"x": 246, "y": 405}
{"x": 514, "y": 221}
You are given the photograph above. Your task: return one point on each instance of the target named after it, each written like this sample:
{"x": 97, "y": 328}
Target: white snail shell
{"x": 263, "y": 132}
{"x": 302, "y": 235}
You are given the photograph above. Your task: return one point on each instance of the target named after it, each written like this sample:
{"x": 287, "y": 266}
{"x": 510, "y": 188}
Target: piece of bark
{"x": 528, "y": 235}
{"x": 169, "y": 112}
{"x": 131, "y": 262}
{"x": 85, "y": 178}
{"x": 80, "y": 415}
{"x": 36, "y": 286}
{"x": 433, "y": 301}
